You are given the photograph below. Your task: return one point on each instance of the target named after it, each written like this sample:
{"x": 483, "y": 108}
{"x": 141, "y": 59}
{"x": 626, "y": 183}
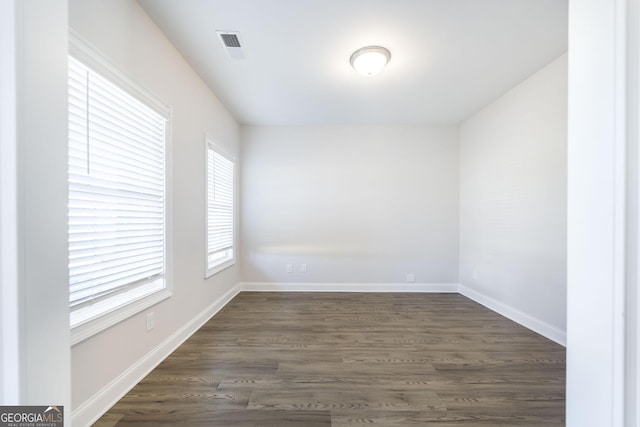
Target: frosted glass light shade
{"x": 370, "y": 60}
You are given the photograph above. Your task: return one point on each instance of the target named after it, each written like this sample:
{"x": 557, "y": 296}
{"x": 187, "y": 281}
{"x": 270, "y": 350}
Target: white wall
{"x": 513, "y": 167}
{"x": 632, "y": 292}
{"x": 122, "y": 32}
{"x": 362, "y": 204}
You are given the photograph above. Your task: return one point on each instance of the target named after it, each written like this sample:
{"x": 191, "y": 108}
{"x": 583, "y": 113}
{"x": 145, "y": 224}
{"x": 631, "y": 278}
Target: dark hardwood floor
{"x": 347, "y": 359}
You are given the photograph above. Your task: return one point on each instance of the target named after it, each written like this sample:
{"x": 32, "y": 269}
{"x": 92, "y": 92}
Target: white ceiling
{"x": 449, "y": 57}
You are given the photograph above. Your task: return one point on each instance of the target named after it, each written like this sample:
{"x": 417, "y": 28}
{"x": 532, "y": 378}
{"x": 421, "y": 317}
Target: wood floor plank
{"x": 358, "y": 400}
{"x": 448, "y": 418}
{"x": 344, "y": 359}
{"x": 351, "y": 370}
{"x": 440, "y": 385}
{"x": 224, "y": 417}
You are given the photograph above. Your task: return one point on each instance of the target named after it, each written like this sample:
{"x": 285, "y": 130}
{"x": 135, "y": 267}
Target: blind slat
{"x": 116, "y": 189}
{"x": 219, "y": 208}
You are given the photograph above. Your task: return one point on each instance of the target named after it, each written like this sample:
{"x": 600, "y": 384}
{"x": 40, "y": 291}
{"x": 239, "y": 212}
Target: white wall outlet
{"x": 150, "y": 322}
{"x": 289, "y": 268}
{"x": 411, "y": 278}
{"x": 303, "y": 268}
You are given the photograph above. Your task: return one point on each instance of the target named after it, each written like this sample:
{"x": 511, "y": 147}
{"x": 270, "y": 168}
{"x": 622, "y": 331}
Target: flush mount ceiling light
{"x": 370, "y": 60}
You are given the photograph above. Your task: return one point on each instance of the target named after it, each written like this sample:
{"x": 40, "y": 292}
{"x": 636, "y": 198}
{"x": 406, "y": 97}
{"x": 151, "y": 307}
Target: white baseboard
{"x": 349, "y": 287}
{"x": 543, "y": 328}
{"x": 89, "y": 412}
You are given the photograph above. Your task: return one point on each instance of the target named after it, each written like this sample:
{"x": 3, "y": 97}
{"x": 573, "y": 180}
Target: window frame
{"x": 139, "y": 300}
{"x": 211, "y": 143}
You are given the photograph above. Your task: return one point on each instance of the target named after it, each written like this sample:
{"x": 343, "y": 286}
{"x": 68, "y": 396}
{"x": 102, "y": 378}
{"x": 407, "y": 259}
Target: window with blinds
{"x": 117, "y": 242}
{"x": 220, "y": 177}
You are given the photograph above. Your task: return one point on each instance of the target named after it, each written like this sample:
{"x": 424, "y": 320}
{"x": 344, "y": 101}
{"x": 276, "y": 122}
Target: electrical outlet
{"x": 150, "y": 322}
{"x": 303, "y": 268}
{"x": 289, "y": 268}
{"x": 411, "y": 278}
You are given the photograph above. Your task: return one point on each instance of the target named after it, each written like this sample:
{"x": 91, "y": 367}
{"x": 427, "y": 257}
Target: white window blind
{"x": 116, "y": 196}
{"x": 220, "y": 177}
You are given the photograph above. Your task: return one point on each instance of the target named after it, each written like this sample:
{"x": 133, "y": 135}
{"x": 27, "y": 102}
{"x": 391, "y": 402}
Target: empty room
{"x": 320, "y": 213}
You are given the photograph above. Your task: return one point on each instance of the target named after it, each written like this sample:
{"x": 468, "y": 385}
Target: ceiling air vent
{"x": 230, "y": 40}
{"x": 232, "y": 44}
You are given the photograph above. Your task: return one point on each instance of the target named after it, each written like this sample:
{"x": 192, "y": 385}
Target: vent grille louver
{"x": 230, "y": 40}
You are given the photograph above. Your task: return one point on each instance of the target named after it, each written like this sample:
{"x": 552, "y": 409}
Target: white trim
{"x": 85, "y": 52}
{"x": 619, "y": 217}
{"x": 88, "y": 329}
{"x": 349, "y": 287}
{"x": 218, "y": 268}
{"x": 596, "y": 223}
{"x": 632, "y": 296}
{"x": 90, "y": 411}
{"x": 211, "y": 143}
{"x": 146, "y": 296}
{"x": 215, "y": 145}
{"x": 9, "y": 290}
{"x": 541, "y": 327}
